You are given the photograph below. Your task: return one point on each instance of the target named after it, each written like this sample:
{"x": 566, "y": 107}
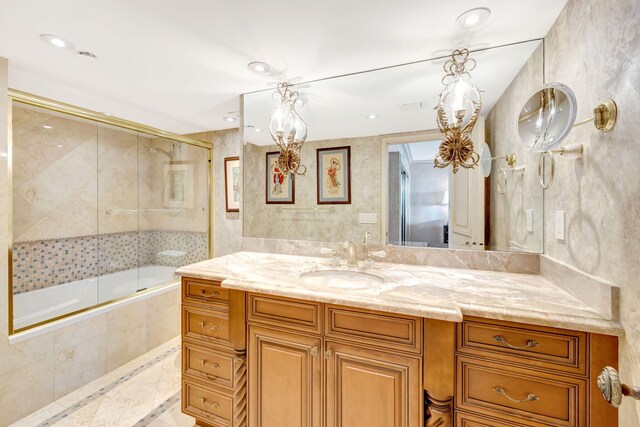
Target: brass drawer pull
{"x": 213, "y": 328}
{"x": 212, "y": 294}
{"x": 203, "y": 402}
{"x": 328, "y": 354}
{"x": 203, "y": 363}
{"x": 529, "y": 344}
{"x": 314, "y": 350}
{"x": 530, "y": 397}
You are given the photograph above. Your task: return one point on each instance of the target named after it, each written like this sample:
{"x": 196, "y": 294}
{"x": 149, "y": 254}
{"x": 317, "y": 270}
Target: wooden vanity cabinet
{"x": 214, "y": 369}
{"x": 270, "y": 361}
{"x": 346, "y": 374}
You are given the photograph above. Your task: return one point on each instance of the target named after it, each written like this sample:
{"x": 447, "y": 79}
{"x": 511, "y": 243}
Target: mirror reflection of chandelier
{"x": 458, "y": 108}
{"x": 288, "y": 130}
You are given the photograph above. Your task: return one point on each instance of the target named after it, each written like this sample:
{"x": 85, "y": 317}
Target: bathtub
{"x": 36, "y": 306}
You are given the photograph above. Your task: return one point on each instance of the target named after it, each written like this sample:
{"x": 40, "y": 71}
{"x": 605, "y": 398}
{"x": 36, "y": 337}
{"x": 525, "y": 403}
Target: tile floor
{"x": 143, "y": 393}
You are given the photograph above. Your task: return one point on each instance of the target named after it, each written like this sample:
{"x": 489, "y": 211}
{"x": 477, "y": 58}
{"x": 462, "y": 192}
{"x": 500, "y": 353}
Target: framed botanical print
{"x": 334, "y": 175}
{"x": 232, "y": 183}
{"x": 280, "y": 188}
{"x": 178, "y": 185}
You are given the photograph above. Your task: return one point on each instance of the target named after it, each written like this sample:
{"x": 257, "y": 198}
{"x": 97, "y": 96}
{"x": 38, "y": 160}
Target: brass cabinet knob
{"x": 328, "y": 354}
{"x": 314, "y": 350}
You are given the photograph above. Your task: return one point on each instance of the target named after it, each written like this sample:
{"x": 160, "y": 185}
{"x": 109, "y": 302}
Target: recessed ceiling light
{"x": 229, "y": 119}
{"x": 372, "y": 116}
{"x": 257, "y": 129}
{"x": 473, "y": 18}
{"x": 259, "y": 67}
{"x": 47, "y": 127}
{"x": 59, "y": 145}
{"x": 56, "y": 41}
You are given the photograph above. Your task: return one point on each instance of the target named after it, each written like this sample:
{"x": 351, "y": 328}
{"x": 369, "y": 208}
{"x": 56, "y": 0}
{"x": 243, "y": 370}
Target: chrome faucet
{"x": 350, "y": 249}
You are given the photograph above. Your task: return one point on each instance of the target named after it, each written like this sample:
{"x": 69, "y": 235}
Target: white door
{"x": 466, "y": 201}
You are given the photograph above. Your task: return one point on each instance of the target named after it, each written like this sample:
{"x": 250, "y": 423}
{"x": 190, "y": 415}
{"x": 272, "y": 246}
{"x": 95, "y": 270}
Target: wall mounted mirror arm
{"x": 604, "y": 116}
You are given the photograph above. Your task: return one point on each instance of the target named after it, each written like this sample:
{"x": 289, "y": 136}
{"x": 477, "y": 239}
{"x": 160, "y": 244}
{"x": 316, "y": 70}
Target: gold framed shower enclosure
{"x": 100, "y": 118}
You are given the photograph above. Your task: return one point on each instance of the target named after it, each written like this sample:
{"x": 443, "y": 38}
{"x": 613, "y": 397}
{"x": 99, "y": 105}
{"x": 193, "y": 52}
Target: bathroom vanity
{"x": 280, "y": 340}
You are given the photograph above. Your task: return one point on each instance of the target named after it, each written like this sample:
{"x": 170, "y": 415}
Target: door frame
{"x": 385, "y": 141}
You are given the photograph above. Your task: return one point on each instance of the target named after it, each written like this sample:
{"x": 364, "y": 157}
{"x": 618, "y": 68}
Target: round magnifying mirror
{"x": 485, "y": 160}
{"x": 547, "y": 117}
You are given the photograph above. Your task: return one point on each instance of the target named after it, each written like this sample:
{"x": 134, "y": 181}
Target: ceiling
{"x": 180, "y": 65}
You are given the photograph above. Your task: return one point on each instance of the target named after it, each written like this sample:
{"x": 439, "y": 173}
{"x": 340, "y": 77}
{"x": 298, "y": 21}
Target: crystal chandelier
{"x": 457, "y": 112}
{"x": 288, "y": 130}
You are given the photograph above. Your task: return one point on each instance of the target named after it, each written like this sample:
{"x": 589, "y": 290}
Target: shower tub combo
{"x": 31, "y": 308}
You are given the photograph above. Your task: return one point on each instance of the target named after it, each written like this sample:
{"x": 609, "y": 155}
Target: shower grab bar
{"x": 135, "y": 211}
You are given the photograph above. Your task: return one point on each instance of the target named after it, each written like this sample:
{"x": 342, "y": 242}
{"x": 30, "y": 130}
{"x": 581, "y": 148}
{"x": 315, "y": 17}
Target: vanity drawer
{"x": 207, "y": 403}
{"x": 214, "y": 366}
{"x": 488, "y": 386}
{"x": 207, "y": 325}
{"x": 372, "y": 327}
{"x": 540, "y": 347}
{"x": 288, "y": 313}
{"x": 203, "y": 291}
{"x": 471, "y": 420}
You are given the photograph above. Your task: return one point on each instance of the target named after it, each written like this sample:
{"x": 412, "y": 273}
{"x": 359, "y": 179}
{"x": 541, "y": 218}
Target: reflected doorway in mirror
{"x": 279, "y": 186}
{"x": 334, "y": 175}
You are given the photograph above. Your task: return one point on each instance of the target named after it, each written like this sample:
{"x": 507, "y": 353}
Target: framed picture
{"x": 232, "y": 183}
{"x": 334, "y": 175}
{"x": 280, "y": 188}
{"x": 178, "y": 185}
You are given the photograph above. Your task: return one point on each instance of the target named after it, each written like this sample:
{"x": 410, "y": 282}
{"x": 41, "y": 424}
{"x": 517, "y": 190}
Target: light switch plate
{"x": 529, "y": 220}
{"x": 368, "y": 218}
{"x": 559, "y": 217}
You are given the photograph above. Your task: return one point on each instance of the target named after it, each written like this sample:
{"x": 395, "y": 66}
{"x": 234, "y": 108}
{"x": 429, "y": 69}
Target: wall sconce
{"x": 288, "y": 130}
{"x": 457, "y": 112}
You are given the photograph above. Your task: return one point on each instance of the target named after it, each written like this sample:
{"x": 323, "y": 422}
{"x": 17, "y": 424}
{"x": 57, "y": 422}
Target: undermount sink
{"x": 344, "y": 279}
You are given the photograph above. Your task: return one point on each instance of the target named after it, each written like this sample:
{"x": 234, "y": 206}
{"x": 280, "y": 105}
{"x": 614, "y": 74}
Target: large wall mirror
{"x": 386, "y": 117}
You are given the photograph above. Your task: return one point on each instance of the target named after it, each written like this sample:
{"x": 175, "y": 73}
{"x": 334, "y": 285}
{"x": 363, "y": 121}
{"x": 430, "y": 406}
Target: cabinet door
{"x": 285, "y": 382}
{"x": 371, "y": 388}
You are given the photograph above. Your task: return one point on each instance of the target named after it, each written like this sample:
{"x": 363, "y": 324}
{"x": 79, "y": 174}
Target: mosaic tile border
{"x": 104, "y": 390}
{"x": 155, "y": 413}
{"x": 42, "y": 264}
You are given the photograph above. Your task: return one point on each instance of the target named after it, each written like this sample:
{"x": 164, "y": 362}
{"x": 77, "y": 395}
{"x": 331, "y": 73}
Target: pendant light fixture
{"x": 288, "y": 130}
{"x": 458, "y": 108}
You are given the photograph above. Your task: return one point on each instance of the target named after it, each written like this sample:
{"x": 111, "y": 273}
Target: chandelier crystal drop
{"x": 288, "y": 130}
{"x": 458, "y": 108}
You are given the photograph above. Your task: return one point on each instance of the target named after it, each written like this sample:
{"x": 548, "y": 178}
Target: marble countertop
{"x": 430, "y": 292}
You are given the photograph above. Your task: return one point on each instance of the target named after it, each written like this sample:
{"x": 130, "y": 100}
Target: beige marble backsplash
{"x": 512, "y": 262}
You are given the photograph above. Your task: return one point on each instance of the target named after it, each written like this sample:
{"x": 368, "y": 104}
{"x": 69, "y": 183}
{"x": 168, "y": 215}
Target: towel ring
{"x": 552, "y": 168}
{"x": 503, "y": 173}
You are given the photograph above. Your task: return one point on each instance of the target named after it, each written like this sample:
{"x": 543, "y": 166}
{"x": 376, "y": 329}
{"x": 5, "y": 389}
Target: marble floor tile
{"x": 145, "y": 389}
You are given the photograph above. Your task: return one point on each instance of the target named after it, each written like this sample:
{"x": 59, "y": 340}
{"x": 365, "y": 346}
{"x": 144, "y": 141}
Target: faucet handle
{"x": 378, "y": 254}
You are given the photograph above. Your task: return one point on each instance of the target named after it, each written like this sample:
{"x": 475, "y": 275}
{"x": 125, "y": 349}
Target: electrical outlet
{"x": 529, "y": 220}
{"x": 559, "y": 217}
{"x": 368, "y": 218}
